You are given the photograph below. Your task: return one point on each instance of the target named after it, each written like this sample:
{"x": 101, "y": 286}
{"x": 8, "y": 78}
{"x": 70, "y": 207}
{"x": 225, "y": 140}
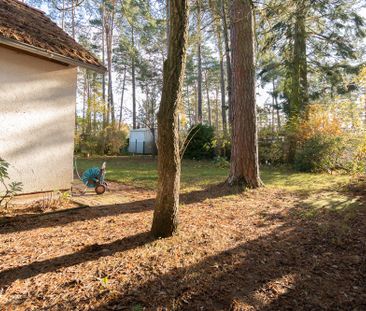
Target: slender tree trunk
{"x": 217, "y": 109}
{"x": 63, "y": 15}
{"x": 208, "y": 101}
{"x": 89, "y": 106}
{"x": 109, "y": 41}
{"x": 189, "y": 107}
{"x": 103, "y": 60}
{"x": 228, "y": 59}
{"x": 122, "y": 95}
{"x": 133, "y": 79}
{"x": 165, "y": 219}
{"x": 299, "y": 82}
{"x": 94, "y": 106}
{"x": 73, "y": 8}
{"x": 84, "y": 102}
{"x": 199, "y": 67}
{"x": 167, "y": 25}
{"x": 244, "y": 167}
{"x": 299, "y": 92}
{"x": 218, "y": 31}
{"x": 273, "y": 105}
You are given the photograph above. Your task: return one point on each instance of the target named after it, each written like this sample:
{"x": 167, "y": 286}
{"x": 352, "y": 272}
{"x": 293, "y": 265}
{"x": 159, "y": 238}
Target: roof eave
{"x": 50, "y": 55}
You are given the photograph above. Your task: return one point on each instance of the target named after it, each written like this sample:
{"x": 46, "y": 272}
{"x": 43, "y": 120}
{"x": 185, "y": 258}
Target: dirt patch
{"x": 254, "y": 251}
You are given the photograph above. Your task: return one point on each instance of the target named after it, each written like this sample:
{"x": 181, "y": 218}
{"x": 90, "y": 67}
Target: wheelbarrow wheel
{"x": 100, "y": 189}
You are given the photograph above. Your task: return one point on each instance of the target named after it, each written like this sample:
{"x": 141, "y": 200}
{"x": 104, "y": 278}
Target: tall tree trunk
{"x": 63, "y": 15}
{"x": 94, "y": 130}
{"x": 223, "y": 97}
{"x": 217, "y": 109}
{"x": 208, "y": 101}
{"x": 299, "y": 87}
{"x": 89, "y": 106}
{"x": 73, "y": 8}
{"x": 167, "y": 25}
{"x": 103, "y": 61}
{"x": 228, "y": 59}
{"x": 165, "y": 219}
{"x": 189, "y": 107}
{"x": 218, "y": 32}
{"x": 84, "y": 102}
{"x": 133, "y": 79}
{"x": 122, "y": 96}
{"x": 199, "y": 66}
{"x": 244, "y": 167}
{"x": 299, "y": 82}
{"x": 109, "y": 41}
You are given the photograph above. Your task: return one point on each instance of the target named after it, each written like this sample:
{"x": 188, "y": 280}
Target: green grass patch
{"x": 142, "y": 172}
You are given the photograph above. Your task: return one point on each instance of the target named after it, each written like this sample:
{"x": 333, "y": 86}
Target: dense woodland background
{"x": 310, "y": 57}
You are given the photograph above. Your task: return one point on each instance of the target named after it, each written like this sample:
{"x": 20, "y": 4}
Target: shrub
{"x": 322, "y": 144}
{"x": 319, "y": 153}
{"x": 223, "y": 147}
{"x": 271, "y": 151}
{"x": 109, "y": 141}
{"x": 10, "y": 189}
{"x": 201, "y": 143}
{"x": 327, "y": 153}
{"x": 116, "y": 139}
{"x": 271, "y": 147}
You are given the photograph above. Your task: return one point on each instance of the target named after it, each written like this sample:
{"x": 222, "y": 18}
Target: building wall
{"x": 37, "y": 117}
{"x": 141, "y": 141}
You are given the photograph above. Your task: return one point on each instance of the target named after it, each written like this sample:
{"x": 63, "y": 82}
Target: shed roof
{"x": 26, "y": 28}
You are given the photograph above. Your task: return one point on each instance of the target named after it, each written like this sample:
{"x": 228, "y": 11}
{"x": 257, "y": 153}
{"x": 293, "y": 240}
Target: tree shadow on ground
{"x": 89, "y": 253}
{"x": 64, "y": 217}
{"x": 301, "y": 265}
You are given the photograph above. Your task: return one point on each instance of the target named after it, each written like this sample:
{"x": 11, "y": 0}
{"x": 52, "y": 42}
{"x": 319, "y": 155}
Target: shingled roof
{"x": 29, "y": 29}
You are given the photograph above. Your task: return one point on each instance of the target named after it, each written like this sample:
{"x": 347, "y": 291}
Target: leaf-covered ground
{"x": 268, "y": 249}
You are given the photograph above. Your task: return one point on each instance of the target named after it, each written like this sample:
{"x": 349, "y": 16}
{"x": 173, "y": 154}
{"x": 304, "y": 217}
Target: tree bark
{"x": 109, "y": 41}
{"x": 228, "y": 59}
{"x": 244, "y": 167}
{"x": 218, "y": 31}
{"x": 103, "y": 61}
{"x": 133, "y": 80}
{"x": 217, "y": 109}
{"x": 199, "y": 59}
{"x": 299, "y": 94}
{"x": 122, "y": 97}
{"x": 208, "y": 100}
{"x": 165, "y": 219}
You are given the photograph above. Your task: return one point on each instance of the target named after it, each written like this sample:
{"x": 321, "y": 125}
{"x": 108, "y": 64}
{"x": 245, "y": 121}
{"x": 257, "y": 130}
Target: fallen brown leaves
{"x": 233, "y": 252}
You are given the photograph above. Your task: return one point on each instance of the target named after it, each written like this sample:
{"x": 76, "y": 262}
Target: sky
{"x": 262, "y": 93}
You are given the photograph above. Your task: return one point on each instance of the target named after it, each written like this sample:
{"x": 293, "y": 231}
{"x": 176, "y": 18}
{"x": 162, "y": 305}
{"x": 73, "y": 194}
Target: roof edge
{"x": 50, "y": 55}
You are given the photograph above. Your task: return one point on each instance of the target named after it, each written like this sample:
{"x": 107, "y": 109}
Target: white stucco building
{"x": 141, "y": 141}
{"x": 38, "y": 75}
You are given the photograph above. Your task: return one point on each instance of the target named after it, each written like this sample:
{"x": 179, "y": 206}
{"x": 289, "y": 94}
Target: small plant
{"x": 221, "y": 162}
{"x": 51, "y": 201}
{"x": 10, "y": 189}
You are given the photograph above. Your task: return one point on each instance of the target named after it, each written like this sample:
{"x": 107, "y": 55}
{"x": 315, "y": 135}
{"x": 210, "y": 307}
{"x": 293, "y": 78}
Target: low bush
{"x": 201, "y": 143}
{"x": 328, "y": 153}
{"x": 109, "y": 141}
{"x": 324, "y": 144}
{"x": 271, "y": 151}
{"x": 319, "y": 153}
{"x": 271, "y": 147}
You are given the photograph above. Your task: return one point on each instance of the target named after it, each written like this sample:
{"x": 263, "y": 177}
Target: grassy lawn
{"x": 317, "y": 191}
{"x": 141, "y": 172}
